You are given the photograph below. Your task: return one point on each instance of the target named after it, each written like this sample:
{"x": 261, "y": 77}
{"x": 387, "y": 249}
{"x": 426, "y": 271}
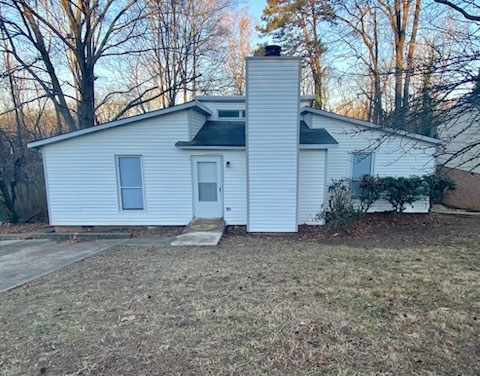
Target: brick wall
{"x": 467, "y": 192}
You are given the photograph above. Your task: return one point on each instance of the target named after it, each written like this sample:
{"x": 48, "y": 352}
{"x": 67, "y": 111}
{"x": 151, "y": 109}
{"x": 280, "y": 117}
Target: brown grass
{"x": 252, "y": 306}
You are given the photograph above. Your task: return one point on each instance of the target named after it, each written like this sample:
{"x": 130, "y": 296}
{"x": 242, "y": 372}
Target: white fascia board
{"x": 274, "y": 57}
{"x": 195, "y": 105}
{"x": 211, "y": 147}
{"x": 238, "y": 98}
{"x": 221, "y": 98}
{"x": 318, "y": 146}
{"x": 366, "y": 124}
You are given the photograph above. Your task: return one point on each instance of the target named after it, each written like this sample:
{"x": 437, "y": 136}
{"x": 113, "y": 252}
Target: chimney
{"x": 273, "y": 102}
{"x": 273, "y": 50}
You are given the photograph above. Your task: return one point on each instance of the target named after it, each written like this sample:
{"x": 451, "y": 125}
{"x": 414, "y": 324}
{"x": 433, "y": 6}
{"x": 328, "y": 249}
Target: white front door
{"x": 207, "y": 186}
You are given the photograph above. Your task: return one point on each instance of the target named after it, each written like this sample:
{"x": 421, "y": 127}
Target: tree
{"x": 19, "y": 177}
{"x": 69, "y": 33}
{"x": 239, "y": 43}
{"x": 362, "y": 18}
{"x": 296, "y": 25}
{"x": 466, "y": 8}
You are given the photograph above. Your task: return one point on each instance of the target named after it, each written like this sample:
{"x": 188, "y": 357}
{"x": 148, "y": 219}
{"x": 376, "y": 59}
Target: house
{"x": 264, "y": 160}
{"x": 460, "y": 158}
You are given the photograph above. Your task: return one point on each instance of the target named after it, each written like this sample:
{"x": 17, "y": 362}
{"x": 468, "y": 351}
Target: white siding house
{"x": 263, "y": 160}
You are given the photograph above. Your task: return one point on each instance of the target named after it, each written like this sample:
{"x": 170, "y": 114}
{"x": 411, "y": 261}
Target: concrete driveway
{"x": 24, "y": 260}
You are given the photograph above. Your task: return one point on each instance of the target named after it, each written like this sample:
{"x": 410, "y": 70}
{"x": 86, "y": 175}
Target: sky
{"x": 256, "y": 7}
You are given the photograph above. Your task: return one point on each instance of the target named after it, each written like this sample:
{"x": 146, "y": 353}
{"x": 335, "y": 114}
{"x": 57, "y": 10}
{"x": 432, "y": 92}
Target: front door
{"x": 207, "y": 186}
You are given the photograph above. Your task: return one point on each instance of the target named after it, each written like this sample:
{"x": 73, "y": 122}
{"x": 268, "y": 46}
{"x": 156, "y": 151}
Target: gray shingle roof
{"x": 232, "y": 134}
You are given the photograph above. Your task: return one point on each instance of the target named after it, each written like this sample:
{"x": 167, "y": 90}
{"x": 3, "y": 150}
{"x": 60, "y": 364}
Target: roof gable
{"x": 195, "y": 105}
{"x": 394, "y": 131}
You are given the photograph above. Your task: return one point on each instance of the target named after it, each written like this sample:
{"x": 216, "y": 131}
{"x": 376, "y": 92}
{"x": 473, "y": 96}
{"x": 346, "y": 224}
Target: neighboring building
{"x": 460, "y": 159}
{"x": 263, "y": 160}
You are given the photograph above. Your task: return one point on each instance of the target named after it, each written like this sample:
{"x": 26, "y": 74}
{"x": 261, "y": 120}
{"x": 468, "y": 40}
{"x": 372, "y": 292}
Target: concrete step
{"x": 201, "y": 232}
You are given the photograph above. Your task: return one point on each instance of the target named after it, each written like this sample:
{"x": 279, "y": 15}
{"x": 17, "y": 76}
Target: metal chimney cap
{"x": 273, "y": 50}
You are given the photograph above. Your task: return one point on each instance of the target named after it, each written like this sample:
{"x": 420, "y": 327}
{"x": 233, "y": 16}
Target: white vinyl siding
{"x": 130, "y": 182}
{"x": 196, "y": 121}
{"x": 311, "y": 197}
{"x": 461, "y": 133}
{"x": 272, "y": 143}
{"x": 83, "y": 188}
{"x": 393, "y": 155}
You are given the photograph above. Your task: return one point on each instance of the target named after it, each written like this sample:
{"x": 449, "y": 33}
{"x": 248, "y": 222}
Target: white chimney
{"x": 272, "y": 132}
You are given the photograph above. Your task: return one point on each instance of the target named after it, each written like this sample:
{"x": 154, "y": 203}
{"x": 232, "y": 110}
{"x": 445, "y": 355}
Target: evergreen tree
{"x": 295, "y": 25}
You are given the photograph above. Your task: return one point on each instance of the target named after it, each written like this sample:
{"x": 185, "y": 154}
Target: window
{"x": 207, "y": 181}
{"x": 362, "y": 165}
{"x": 130, "y": 182}
{"x": 231, "y": 114}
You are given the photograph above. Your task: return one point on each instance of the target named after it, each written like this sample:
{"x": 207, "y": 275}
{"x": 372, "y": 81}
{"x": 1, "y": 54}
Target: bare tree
{"x": 362, "y": 18}
{"x": 466, "y": 8}
{"x": 73, "y": 33}
{"x": 239, "y": 41}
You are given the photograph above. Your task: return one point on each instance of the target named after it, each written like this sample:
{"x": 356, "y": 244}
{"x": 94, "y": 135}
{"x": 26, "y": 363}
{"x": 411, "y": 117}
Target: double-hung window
{"x": 130, "y": 182}
{"x": 362, "y": 165}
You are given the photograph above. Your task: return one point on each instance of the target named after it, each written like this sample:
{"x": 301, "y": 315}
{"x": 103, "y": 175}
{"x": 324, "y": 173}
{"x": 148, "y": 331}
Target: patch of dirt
{"x": 391, "y": 230}
{"x": 377, "y": 229}
{"x": 144, "y": 231}
{"x": 136, "y": 231}
{"x": 25, "y": 227}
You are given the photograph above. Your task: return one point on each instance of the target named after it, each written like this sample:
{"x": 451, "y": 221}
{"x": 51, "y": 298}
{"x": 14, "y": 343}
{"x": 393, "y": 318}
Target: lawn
{"x": 252, "y": 306}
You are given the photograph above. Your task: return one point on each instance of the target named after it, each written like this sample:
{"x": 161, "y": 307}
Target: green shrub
{"x": 371, "y": 188}
{"x": 402, "y": 191}
{"x": 437, "y": 186}
{"x": 342, "y": 209}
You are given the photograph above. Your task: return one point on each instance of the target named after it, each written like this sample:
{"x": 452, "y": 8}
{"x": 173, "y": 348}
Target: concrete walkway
{"x": 24, "y": 260}
{"x": 201, "y": 232}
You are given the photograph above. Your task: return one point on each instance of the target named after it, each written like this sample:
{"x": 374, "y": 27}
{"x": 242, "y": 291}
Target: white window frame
{"x": 119, "y": 185}
{"x": 241, "y": 114}
{"x": 372, "y": 162}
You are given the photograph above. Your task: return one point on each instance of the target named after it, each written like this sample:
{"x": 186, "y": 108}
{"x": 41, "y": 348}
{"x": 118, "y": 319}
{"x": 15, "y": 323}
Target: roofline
{"x": 213, "y": 147}
{"x": 221, "y": 98}
{"x": 317, "y": 146}
{"x": 274, "y": 57}
{"x": 366, "y": 124}
{"x": 195, "y": 105}
{"x": 238, "y": 98}
{"x": 218, "y": 147}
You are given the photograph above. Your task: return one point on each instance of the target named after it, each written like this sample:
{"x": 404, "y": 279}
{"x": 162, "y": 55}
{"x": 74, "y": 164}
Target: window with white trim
{"x": 231, "y": 114}
{"x": 130, "y": 182}
{"x": 362, "y": 165}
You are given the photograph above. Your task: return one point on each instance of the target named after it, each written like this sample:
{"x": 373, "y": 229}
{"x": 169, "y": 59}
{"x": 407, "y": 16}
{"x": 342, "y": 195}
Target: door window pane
{"x": 207, "y": 172}
{"x": 207, "y": 191}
